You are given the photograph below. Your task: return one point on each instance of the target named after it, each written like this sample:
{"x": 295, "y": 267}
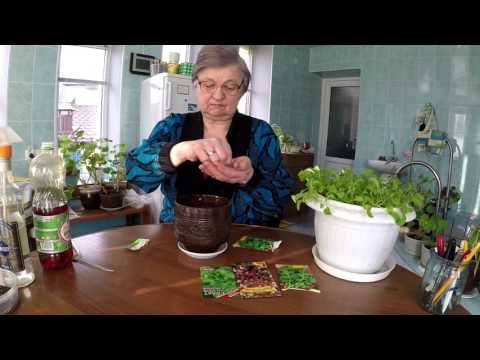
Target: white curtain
{"x": 4, "y": 60}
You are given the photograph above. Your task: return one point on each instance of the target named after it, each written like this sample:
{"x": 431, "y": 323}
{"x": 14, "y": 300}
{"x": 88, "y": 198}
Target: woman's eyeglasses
{"x": 229, "y": 88}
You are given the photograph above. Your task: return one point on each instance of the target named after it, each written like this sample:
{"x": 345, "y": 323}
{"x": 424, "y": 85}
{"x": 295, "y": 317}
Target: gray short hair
{"x": 219, "y": 56}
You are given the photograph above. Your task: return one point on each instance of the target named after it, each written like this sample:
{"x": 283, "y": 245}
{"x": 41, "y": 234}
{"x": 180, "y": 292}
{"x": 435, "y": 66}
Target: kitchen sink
{"x": 385, "y": 167}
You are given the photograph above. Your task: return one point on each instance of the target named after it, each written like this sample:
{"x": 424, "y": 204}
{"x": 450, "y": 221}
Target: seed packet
{"x": 138, "y": 244}
{"x": 256, "y": 243}
{"x": 255, "y": 280}
{"x": 218, "y": 282}
{"x": 296, "y": 277}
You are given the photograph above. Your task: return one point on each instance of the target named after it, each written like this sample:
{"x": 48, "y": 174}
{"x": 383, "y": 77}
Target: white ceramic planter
{"x": 350, "y": 240}
{"x": 413, "y": 246}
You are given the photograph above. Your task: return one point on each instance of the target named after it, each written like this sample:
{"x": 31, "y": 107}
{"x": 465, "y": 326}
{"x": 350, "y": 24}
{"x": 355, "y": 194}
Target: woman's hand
{"x": 240, "y": 171}
{"x": 214, "y": 150}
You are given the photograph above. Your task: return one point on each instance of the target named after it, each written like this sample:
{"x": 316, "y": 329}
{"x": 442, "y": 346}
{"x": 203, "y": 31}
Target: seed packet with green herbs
{"x": 255, "y": 280}
{"x": 218, "y": 282}
{"x": 296, "y": 277}
{"x": 256, "y": 243}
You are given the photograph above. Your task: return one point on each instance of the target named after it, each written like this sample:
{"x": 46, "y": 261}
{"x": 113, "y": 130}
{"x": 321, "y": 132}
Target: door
{"x": 338, "y": 122}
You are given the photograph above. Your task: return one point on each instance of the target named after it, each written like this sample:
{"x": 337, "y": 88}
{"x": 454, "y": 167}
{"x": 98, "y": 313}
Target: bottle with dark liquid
{"x": 50, "y": 209}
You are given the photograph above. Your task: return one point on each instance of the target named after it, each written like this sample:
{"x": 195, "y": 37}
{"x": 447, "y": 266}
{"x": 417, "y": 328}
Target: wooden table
{"x": 159, "y": 279}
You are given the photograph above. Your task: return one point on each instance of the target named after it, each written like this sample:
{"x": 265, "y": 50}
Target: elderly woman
{"x": 216, "y": 150}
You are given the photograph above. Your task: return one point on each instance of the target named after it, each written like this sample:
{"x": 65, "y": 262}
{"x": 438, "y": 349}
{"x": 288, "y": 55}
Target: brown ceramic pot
{"x": 112, "y": 200}
{"x": 90, "y": 196}
{"x": 202, "y": 222}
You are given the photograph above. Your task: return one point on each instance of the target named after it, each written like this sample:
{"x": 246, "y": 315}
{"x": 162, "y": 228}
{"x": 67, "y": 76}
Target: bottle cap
{"x": 5, "y": 151}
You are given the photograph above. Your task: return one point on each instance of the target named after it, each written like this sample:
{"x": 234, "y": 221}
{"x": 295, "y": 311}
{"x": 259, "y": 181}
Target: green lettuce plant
{"x": 366, "y": 190}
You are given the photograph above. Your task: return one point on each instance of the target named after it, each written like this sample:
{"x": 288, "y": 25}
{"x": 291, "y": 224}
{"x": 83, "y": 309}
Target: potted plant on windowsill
{"x": 286, "y": 141}
{"x": 93, "y": 158}
{"x": 357, "y": 217}
{"x": 113, "y": 191}
{"x": 70, "y": 147}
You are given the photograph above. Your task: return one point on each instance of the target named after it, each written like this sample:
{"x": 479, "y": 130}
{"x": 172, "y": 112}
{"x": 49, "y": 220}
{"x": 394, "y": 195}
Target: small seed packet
{"x": 256, "y": 243}
{"x": 255, "y": 280}
{"x": 138, "y": 244}
{"x": 218, "y": 282}
{"x": 296, "y": 277}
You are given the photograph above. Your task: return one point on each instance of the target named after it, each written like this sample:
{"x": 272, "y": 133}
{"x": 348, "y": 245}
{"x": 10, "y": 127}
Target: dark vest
{"x": 190, "y": 179}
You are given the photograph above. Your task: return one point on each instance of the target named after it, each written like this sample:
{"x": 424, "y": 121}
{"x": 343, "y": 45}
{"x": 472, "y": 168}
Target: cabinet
{"x": 294, "y": 163}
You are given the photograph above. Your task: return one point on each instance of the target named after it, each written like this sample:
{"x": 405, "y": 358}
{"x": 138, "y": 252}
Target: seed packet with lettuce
{"x": 218, "y": 282}
{"x": 296, "y": 277}
{"x": 255, "y": 280}
{"x": 256, "y": 243}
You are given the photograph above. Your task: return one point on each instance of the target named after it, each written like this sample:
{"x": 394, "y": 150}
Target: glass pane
{"x": 342, "y": 122}
{"x": 80, "y": 106}
{"x": 81, "y": 62}
{"x": 167, "y": 49}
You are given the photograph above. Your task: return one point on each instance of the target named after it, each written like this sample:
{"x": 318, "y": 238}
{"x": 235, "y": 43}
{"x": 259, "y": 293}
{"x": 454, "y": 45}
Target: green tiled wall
{"x": 396, "y": 82}
{"x": 31, "y": 98}
{"x": 294, "y": 93}
{"x": 131, "y": 85}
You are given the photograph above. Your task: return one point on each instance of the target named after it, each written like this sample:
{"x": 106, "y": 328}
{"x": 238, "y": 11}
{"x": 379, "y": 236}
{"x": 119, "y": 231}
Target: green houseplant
{"x": 286, "y": 141}
{"x": 112, "y": 190}
{"x": 357, "y": 217}
{"x": 93, "y": 158}
{"x": 70, "y": 147}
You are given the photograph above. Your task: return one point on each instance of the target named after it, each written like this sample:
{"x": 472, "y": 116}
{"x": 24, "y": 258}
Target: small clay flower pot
{"x": 90, "y": 196}
{"x": 202, "y": 222}
{"x": 112, "y": 200}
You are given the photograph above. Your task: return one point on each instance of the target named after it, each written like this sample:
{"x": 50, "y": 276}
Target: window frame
{"x": 248, "y": 92}
{"x": 106, "y": 88}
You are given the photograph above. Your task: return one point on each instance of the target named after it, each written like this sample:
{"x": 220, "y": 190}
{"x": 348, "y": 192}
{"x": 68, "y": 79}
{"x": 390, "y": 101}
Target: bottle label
{"x": 11, "y": 257}
{"x": 52, "y": 233}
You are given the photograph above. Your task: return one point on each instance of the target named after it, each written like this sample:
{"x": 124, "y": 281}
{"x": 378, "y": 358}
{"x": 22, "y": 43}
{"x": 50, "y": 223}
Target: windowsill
{"x": 412, "y": 264}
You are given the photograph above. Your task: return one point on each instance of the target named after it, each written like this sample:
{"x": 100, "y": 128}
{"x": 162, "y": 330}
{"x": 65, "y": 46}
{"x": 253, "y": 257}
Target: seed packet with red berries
{"x": 255, "y": 280}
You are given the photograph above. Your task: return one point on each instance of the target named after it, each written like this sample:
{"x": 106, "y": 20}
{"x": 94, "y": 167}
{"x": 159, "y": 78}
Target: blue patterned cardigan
{"x": 259, "y": 202}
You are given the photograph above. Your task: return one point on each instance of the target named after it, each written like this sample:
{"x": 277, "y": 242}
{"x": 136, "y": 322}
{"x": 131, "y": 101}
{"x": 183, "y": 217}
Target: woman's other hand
{"x": 214, "y": 150}
{"x": 240, "y": 170}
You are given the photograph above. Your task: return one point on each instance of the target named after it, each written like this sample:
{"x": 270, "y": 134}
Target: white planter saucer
{"x": 384, "y": 271}
{"x": 203, "y": 256}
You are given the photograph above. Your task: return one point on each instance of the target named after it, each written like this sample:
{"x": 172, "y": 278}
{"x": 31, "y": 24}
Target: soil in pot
{"x": 202, "y": 222}
{"x": 90, "y": 196}
{"x": 112, "y": 199}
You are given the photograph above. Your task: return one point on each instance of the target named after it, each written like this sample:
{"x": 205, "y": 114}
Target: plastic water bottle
{"x": 50, "y": 209}
{"x": 14, "y": 247}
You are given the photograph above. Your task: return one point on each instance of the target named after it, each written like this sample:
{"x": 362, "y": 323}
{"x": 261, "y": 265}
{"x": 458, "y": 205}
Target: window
{"x": 183, "y": 50}
{"x": 244, "y": 103}
{"x": 82, "y": 90}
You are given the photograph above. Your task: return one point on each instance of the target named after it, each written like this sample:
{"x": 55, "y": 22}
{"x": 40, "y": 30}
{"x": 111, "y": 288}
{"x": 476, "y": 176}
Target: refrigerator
{"x": 161, "y": 95}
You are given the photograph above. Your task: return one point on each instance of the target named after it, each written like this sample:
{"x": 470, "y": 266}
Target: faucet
{"x": 393, "y": 157}
{"x": 433, "y": 171}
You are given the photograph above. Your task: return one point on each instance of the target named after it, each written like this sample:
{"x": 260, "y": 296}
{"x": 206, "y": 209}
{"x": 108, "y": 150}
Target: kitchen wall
{"x": 295, "y": 104}
{"x": 32, "y": 76}
{"x": 131, "y": 86}
{"x": 31, "y": 95}
{"x": 396, "y": 82}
